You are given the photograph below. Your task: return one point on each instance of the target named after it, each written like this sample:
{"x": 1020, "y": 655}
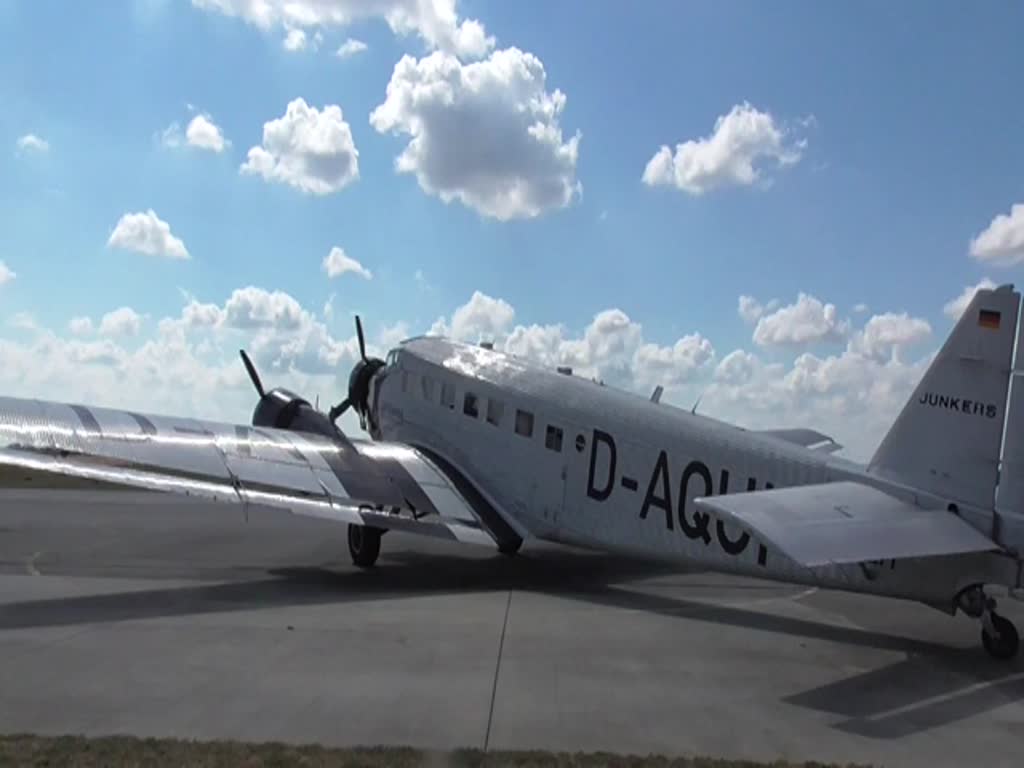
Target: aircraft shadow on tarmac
{"x": 933, "y": 686}
{"x": 916, "y": 694}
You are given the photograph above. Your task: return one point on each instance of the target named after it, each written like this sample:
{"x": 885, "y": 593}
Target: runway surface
{"x": 140, "y": 614}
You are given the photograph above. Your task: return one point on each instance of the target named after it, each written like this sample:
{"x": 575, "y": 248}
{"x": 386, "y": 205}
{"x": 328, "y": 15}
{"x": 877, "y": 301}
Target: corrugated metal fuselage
{"x": 606, "y": 469}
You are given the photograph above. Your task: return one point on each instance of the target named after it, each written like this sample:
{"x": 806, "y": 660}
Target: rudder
{"x": 947, "y": 438}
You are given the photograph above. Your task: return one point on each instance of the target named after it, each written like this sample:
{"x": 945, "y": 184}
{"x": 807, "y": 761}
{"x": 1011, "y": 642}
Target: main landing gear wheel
{"x": 363, "y": 544}
{"x": 999, "y": 636}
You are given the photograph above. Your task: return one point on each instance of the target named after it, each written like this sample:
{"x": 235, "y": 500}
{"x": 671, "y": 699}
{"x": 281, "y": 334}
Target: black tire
{"x": 363, "y": 544}
{"x": 1006, "y": 645}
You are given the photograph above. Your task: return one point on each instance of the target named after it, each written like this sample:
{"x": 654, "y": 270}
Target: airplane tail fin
{"x": 948, "y": 437}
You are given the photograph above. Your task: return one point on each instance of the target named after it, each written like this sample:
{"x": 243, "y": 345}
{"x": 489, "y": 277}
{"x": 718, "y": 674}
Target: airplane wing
{"x": 47, "y": 446}
{"x": 846, "y": 522}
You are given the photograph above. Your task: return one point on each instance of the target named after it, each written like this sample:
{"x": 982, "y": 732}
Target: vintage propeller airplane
{"x": 477, "y": 446}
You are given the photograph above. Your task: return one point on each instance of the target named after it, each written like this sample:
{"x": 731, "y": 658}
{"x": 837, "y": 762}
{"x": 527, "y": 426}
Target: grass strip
{"x": 82, "y": 752}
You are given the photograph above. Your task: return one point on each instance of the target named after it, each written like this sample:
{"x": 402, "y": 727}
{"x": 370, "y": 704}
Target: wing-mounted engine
{"x": 283, "y": 409}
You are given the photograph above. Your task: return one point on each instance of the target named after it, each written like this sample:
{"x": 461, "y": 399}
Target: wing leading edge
{"x": 49, "y": 446}
{"x": 846, "y": 522}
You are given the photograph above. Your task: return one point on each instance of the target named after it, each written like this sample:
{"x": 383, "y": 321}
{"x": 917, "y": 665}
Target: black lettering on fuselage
{"x": 698, "y": 529}
{"x": 664, "y": 501}
{"x": 730, "y": 546}
{"x": 592, "y": 490}
{"x": 695, "y": 524}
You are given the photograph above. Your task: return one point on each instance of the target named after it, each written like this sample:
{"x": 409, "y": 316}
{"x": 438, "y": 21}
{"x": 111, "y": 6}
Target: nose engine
{"x": 359, "y": 383}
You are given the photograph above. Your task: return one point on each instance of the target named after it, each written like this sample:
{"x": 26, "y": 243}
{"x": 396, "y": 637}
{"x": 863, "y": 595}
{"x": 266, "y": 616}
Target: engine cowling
{"x": 282, "y": 409}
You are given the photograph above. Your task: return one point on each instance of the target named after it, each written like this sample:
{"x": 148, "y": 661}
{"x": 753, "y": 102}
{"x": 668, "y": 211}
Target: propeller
{"x": 252, "y": 373}
{"x": 358, "y": 382}
{"x": 362, "y": 340}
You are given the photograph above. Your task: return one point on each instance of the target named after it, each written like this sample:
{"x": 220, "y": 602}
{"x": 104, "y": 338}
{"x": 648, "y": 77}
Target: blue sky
{"x": 884, "y": 138}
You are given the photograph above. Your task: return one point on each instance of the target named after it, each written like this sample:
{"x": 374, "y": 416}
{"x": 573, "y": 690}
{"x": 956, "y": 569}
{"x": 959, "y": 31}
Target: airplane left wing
{"x": 846, "y": 522}
{"x": 48, "y": 446}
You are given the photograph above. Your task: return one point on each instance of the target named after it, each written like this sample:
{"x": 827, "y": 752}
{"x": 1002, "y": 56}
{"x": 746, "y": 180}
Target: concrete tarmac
{"x": 128, "y": 613}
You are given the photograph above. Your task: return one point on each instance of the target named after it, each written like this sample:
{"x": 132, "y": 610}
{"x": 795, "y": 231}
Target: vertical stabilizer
{"x": 1010, "y": 490}
{"x": 947, "y": 438}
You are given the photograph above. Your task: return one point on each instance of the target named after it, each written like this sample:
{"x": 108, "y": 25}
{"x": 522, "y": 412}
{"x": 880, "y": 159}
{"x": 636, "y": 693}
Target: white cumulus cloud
{"x": 889, "y": 334}
{"x": 147, "y": 233}
{"x": 673, "y": 365}
{"x": 807, "y": 321}
{"x": 203, "y": 133}
{"x": 120, "y": 322}
{"x": 485, "y": 133}
{"x": 32, "y": 143}
{"x": 294, "y": 40}
{"x": 350, "y": 48}
{"x": 736, "y": 368}
{"x": 482, "y": 318}
{"x": 337, "y": 263}
{"x": 436, "y": 22}
{"x": 733, "y": 155}
{"x": 6, "y": 274}
{"x": 306, "y": 148}
{"x": 1002, "y": 242}
{"x": 751, "y": 310}
{"x": 80, "y": 326}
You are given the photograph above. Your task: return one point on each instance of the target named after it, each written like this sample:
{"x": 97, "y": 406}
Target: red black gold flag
{"x": 988, "y": 318}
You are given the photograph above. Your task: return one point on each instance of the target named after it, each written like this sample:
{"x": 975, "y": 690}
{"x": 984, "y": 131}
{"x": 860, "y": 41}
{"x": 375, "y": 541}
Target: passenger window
{"x": 448, "y": 394}
{"x": 553, "y": 438}
{"x": 427, "y": 385}
{"x": 524, "y": 423}
{"x": 495, "y": 409}
{"x": 470, "y": 406}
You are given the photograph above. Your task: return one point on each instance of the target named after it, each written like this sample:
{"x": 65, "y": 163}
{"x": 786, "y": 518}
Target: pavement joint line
{"x": 949, "y": 696}
{"x": 497, "y": 669}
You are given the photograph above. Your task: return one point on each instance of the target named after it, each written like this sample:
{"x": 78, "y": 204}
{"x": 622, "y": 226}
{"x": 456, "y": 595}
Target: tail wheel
{"x": 364, "y": 544}
{"x": 1005, "y": 643}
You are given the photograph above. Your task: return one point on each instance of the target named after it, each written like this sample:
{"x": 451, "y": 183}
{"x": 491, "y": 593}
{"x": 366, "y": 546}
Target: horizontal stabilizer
{"x": 846, "y": 522}
{"x": 808, "y": 438}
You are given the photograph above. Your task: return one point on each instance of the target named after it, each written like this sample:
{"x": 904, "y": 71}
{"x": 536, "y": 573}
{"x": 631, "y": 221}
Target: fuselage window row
{"x": 472, "y": 406}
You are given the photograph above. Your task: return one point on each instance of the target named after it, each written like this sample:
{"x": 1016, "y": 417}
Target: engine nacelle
{"x": 282, "y": 409}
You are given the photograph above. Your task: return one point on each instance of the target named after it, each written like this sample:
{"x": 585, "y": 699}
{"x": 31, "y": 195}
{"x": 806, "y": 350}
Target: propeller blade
{"x": 337, "y": 410}
{"x": 362, "y": 341}
{"x": 252, "y": 372}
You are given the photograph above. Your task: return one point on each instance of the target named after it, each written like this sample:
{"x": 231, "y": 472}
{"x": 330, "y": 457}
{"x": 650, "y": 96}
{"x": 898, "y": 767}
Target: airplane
{"x": 473, "y": 445}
